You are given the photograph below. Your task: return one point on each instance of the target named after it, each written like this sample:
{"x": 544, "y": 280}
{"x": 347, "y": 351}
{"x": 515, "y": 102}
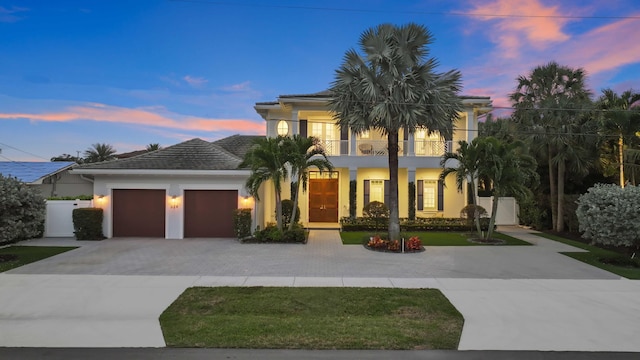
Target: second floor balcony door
{"x": 328, "y": 135}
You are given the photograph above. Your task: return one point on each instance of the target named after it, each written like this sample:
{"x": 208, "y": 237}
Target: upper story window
{"x": 283, "y": 128}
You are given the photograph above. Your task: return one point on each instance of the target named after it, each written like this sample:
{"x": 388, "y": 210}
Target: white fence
{"x": 59, "y": 219}
{"x": 508, "y": 209}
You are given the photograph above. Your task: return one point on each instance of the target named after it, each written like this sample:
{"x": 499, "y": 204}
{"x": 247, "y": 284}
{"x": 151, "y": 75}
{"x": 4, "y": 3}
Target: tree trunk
{"x": 295, "y": 203}
{"x": 279, "y": 209}
{"x": 560, "y": 213}
{"x": 394, "y": 217}
{"x": 494, "y": 212}
{"x": 476, "y": 213}
{"x": 553, "y": 191}
{"x": 621, "y": 159}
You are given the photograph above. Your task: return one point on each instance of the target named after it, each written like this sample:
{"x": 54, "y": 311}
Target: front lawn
{"x": 429, "y": 238}
{"x": 15, "y": 256}
{"x": 312, "y": 318}
{"x": 594, "y": 255}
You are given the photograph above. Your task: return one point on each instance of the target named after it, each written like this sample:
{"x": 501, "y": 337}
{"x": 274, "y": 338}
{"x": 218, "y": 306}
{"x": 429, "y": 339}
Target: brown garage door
{"x": 139, "y": 213}
{"x": 209, "y": 213}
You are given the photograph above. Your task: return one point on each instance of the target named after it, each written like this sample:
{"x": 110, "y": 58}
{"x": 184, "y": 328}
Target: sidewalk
{"x": 600, "y": 313}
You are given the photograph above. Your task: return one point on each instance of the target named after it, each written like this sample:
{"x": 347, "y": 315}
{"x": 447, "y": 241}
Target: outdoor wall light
{"x": 101, "y": 198}
{"x": 174, "y": 202}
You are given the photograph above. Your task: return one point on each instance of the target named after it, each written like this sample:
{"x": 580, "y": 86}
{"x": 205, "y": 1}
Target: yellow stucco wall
{"x": 454, "y": 201}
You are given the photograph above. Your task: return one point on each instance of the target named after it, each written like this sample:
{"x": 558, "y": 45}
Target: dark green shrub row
{"x": 420, "y": 224}
{"x": 242, "y": 223}
{"x": 79, "y": 197}
{"x": 271, "y": 234}
{"x": 87, "y": 223}
{"x": 287, "y": 212}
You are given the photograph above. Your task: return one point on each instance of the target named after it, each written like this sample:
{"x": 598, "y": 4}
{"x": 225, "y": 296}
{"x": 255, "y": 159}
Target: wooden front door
{"x": 323, "y": 200}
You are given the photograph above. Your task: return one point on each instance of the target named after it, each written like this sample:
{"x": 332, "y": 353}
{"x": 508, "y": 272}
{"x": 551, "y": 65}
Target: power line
{"x": 361, "y": 10}
{"x": 22, "y": 151}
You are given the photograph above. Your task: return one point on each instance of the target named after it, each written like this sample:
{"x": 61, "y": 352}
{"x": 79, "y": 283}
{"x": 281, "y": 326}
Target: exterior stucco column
{"x": 352, "y": 145}
{"x": 295, "y": 123}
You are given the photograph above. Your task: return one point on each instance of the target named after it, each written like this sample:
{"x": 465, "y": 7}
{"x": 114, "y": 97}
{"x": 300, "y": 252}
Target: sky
{"x": 132, "y": 73}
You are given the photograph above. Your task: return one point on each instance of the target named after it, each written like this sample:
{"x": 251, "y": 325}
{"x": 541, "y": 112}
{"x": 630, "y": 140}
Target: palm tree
{"x": 267, "y": 159}
{"x": 99, "y": 152}
{"x": 153, "y": 147}
{"x": 467, "y": 160}
{"x": 617, "y": 119}
{"x": 303, "y": 153}
{"x": 393, "y": 86}
{"x": 550, "y": 107}
{"x": 509, "y": 169}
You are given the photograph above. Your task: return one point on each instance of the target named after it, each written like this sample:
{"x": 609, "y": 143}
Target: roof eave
{"x": 169, "y": 172}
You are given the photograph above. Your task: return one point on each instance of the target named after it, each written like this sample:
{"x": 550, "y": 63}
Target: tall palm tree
{"x": 99, "y": 152}
{"x": 619, "y": 120}
{"x": 466, "y": 167}
{"x": 510, "y": 171}
{"x": 153, "y": 147}
{"x": 302, "y": 154}
{"x": 550, "y": 107}
{"x": 394, "y": 85}
{"x": 266, "y": 160}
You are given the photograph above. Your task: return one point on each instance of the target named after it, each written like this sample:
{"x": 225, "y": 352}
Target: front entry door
{"x": 323, "y": 200}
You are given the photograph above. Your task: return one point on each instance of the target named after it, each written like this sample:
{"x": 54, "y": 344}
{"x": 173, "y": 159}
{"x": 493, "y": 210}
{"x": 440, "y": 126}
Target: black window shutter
{"x": 420, "y": 201}
{"x": 440, "y": 195}
{"x": 405, "y": 136}
{"x": 303, "y": 128}
{"x": 344, "y": 140}
{"x": 366, "y": 192}
{"x": 386, "y": 192}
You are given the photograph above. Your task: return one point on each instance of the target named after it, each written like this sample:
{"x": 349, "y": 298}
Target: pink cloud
{"x": 513, "y": 33}
{"x": 605, "y": 48}
{"x": 153, "y": 117}
{"x": 243, "y": 86}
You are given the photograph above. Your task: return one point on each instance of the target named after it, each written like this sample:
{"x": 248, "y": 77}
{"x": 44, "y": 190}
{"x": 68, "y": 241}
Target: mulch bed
{"x": 393, "y": 251}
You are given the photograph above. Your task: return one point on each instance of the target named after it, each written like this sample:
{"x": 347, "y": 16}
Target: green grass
{"x": 29, "y": 254}
{"x": 429, "y": 238}
{"x": 312, "y": 318}
{"x": 593, "y": 255}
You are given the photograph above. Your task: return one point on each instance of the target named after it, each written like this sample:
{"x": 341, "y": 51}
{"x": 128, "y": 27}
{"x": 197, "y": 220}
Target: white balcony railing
{"x": 365, "y": 147}
{"x": 431, "y": 148}
{"x": 335, "y": 147}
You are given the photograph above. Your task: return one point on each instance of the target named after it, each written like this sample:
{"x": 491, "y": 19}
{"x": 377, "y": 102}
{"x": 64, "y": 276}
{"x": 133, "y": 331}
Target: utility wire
{"x": 361, "y": 10}
{"x": 26, "y": 152}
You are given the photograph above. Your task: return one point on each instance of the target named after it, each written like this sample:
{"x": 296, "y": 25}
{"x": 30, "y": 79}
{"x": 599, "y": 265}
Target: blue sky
{"x": 130, "y": 73}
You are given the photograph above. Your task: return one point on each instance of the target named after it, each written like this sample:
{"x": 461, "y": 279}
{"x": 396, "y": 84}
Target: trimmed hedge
{"x": 87, "y": 223}
{"x": 420, "y": 224}
{"x": 271, "y": 234}
{"x": 242, "y": 223}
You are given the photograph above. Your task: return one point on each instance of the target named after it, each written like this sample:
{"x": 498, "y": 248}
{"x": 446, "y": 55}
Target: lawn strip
{"x": 312, "y": 318}
{"x": 430, "y": 238}
{"x": 593, "y": 255}
{"x": 29, "y": 254}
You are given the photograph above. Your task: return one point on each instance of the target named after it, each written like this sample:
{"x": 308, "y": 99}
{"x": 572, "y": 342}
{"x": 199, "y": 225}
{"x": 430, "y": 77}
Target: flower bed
{"x": 412, "y": 245}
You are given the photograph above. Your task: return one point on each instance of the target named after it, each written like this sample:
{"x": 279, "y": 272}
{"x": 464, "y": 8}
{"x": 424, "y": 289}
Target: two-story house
{"x": 362, "y": 161}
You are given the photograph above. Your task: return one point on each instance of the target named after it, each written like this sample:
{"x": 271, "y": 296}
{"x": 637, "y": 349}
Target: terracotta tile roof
{"x": 195, "y": 154}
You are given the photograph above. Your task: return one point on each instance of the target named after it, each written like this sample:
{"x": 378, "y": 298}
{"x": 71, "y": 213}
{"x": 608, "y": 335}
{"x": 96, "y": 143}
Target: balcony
{"x": 369, "y": 147}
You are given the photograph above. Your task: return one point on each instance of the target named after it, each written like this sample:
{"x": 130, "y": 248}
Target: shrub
{"x": 412, "y": 200}
{"x": 377, "y": 211}
{"x": 413, "y": 244}
{"x": 87, "y": 223}
{"x": 78, "y": 197}
{"x": 608, "y": 215}
{"x": 420, "y": 224}
{"x": 287, "y": 211}
{"x": 22, "y": 211}
{"x": 269, "y": 234}
{"x": 295, "y": 235}
{"x": 242, "y": 223}
{"x": 468, "y": 213}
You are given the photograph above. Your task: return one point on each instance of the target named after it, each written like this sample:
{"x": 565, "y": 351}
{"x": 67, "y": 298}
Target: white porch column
{"x": 472, "y": 125}
{"x": 295, "y": 123}
{"x": 352, "y": 146}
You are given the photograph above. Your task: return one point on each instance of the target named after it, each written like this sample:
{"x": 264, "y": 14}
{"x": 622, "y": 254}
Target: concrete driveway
{"x": 110, "y": 293}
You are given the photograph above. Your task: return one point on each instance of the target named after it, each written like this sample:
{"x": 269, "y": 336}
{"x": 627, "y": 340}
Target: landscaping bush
{"x": 22, "y": 211}
{"x": 378, "y": 212}
{"x": 420, "y": 224}
{"x": 352, "y": 199}
{"x": 78, "y": 197}
{"x": 287, "y": 211}
{"x": 242, "y": 223}
{"x": 271, "y": 234}
{"x": 87, "y": 223}
{"x": 468, "y": 213}
{"x": 608, "y": 215}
